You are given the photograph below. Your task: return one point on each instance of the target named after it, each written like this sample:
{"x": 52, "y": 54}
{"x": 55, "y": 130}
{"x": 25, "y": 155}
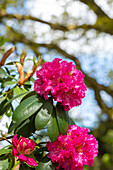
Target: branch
{"x": 102, "y": 24}
{"x": 6, "y": 138}
{"x": 92, "y": 5}
{"x": 3, "y": 14}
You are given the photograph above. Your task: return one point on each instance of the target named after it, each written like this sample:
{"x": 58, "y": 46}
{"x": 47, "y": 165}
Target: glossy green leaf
{"x": 4, "y": 164}
{"x": 11, "y": 63}
{"x": 29, "y": 94}
{"x": 3, "y": 107}
{"x": 9, "y": 101}
{"x": 52, "y": 128}
{"x": 2, "y": 99}
{"x": 25, "y": 109}
{"x": 2, "y": 73}
{"x": 17, "y": 90}
{"x": 27, "y": 87}
{"x": 62, "y": 118}
{"x": 11, "y": 162}
{"x": 45, "y": 164}
{"x": 23, "y": 166}
{"x": 4, "y": 157}
{"x": 5, "y": 151}
{"x": 44, "y": 114}
{"x": 9, "y": 83}
{"x": 23, "y": 129}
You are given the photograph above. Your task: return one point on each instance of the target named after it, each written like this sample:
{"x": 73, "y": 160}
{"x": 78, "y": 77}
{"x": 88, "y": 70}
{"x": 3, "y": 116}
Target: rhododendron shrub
{"x": 68, "y": 146}
{"x": 61, "y": 80}
{"x": 23, "y": 147}
{"x": 73, "y": 150}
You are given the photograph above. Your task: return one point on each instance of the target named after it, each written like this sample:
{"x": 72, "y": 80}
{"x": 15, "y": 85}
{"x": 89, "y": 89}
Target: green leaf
{"x": 25, "y": 167}
{"x": 5, "y": 151}
{"x": 38, "y": 150}
{"x": 23, "y": 129}
{"x": 4, "y": 156}
{"x": 7, "y": 70}
{"x": 31, "y": 93}
{"x": 45, "y": 164}
{"x": 32, "y": 79}
{"x": 20, "y": 129}
{"x": 9, "y": 101}
{"x": 44, "y": 114}
{"x": 2, "y": 73}
{"x": 62, "y": 118}
{"x": 9, "y": 113}
{"x": 25, "y": 109}
{"x": 4, "y": 164}
{"x": 2, "y": 99}
{"x": 3, "y": 107}
{"x": 71, "y": 121}
{"x": 11, "y": 63}
{"x": 9, "y": 83}
{"x": 27, "y": 83}
{"x": 52, "y": 128}
{"x": 17, "y": 90}
{"x": 11, "y": 162}
{"x": 27, "y": 87}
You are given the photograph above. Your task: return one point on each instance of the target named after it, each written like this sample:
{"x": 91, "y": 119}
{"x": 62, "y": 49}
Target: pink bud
{"x": 22, "y": 158}
{"x": 21, "y": 147}
{"x": 31, "y": 161}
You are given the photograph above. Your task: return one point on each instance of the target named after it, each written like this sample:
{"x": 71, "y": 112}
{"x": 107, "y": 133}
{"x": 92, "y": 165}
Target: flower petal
{"x": 22, "y": 158}
{"x": 14, "y": 152}
{"x": 31, "y": 161}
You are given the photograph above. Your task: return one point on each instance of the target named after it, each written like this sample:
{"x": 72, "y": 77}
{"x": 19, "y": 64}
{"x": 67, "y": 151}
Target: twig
{"x": 6, "y": 138}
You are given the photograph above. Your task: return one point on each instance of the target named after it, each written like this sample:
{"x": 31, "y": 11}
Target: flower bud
{"x": 22, "y": 147}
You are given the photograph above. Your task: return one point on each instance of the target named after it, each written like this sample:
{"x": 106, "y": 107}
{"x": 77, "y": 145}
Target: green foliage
{"x": 4, "y": 151}
{"x": 2, "y": 74}
{"x": 62, "y": 118}
{"x": 3, "y": 40}
{"x": 4, "y": 164}
{"x": 23, "y": 166}
{"x": 26, "y": 108}
{"x": 32, "y": 113}
{"x": 44, "y": 115}
{"x": 45, "y": 164}
{"x": 52, "y": 127}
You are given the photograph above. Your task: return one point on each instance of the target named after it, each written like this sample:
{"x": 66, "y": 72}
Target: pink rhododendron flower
{"x": 61, "y": 80}
{"x": 73, "y": 150}
{"x": 23, "y": 147}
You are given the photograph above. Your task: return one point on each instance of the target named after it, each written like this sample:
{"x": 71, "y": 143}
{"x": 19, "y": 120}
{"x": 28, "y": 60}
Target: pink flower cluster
{"x": 23, "y": 147}
{"x": 73, "y": 150}
{"x": 62, "y": 81}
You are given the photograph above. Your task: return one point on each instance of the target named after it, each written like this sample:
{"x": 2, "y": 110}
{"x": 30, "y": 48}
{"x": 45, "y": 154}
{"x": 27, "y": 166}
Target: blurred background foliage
{"x": 77, "y": 30}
